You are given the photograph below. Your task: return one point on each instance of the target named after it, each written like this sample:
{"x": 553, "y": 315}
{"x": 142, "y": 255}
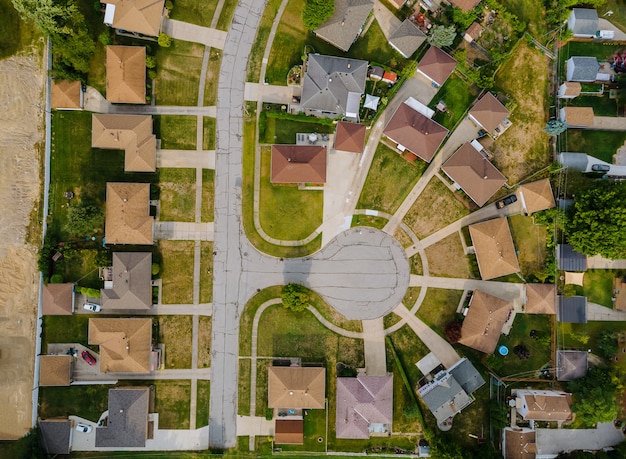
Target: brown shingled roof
{"x": 126, "y": 74}
{"x": 289, "y": 432}
{"x": 131, "y": 133}
{"x": 65, "y": 94}
{"x": 572, "y": 88}
{"x": 128, "y": 219}
{"x": 536, "y": 196}
{"x": 417, "y": 133}
{"x": 544, "y": 407}
{"x": 141, "y": 16}
{"x": 489, "y": 112}
{"x": 579, "y": 116}
{"x": 474, "y": 173}
{"x": 495, "y": 252}
{"x": 125, "y": 344}
{"x": 296, "y": 387}
{"x": 55, "y": 370}
{"x": 474, "y": 30}
{"x": 350, "y": 137}
{"x": 483, "y": 324}
{"x": 57, "y": 299}
{"x": 519, "y": 443}
{"x": 298, "y": 164}
{"x": 540, "y": 299}
{"x": 437, "y": 65}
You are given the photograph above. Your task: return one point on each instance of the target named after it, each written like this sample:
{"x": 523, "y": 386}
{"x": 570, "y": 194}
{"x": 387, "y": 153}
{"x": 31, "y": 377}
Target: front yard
{"x": 178, "y": 73}
{"x": 177, "y": 271}
{"x": 447, "y": 258}
{"x": 177, "y": 132}
{"x": 178, "y": 194}
{"x": 439, "y": 308}
{"x": 175, "y": 334}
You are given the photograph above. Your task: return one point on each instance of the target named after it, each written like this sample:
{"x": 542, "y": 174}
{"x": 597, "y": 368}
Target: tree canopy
{"x": 594, "y": 396}
{"x": 597, "y": 220}
{"x": 295, "y": 297}
{"x": 555, "y": 127}
{"x": 441, "y": 36}
{"x": 316, "y": 12}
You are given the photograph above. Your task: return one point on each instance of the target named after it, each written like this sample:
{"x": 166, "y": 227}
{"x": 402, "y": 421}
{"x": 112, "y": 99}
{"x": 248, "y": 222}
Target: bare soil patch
{"x": 446, "y": 258}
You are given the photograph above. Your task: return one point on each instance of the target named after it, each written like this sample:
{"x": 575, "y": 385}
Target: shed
{"x": 583, "y": 22}
{"x": 289, "y": 432}
{"x": 350, "y": 137}
{"x": 55, "y": 435}
{"x": 536, "y": 196}
{"x": 582, "y": 68}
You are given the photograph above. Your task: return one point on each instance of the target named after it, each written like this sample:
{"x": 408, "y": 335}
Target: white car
{"x": 93, "y": 307}
{"x": 83, "y": 428}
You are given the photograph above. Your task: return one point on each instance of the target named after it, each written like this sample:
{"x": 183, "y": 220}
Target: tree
{"x": 50, "y": 16}
{"x": 453, "y": 331}
{"x": 597, "y": 220}
{"x": 84, "y": 220}
{"x": 316, "y": 12}
{"x": 442, "y": 36}
{"x": 56, "y": 279}
{"x": 464, "y": 20}
{"x": 164, "y": 40}
{"x": 607, "y": 342}
{"x": 594, "y": 396}
{"x": 555, "y": 127}
{"x": 295, "y": 297}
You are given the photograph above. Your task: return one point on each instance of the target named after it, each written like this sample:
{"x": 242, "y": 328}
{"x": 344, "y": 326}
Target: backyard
{"x": 88, "y": 401}
{"x": 599, "y": 144}
{"x": 602, "y": 105}
{"x": 598, "y": 285}
{"x": 447, "y": 258}
{"x": 275, "y": 128}
{"x": 178, "y": 73}
{"x": 530, "y": 243}
{"x": 177, "y": 132}
{"x": 177, "y": 271}
{"x": 66, "y": 329}
{"x": 174, "y": 333}
{"x": 178, "y": 194}
{"x": 457, "y": 95}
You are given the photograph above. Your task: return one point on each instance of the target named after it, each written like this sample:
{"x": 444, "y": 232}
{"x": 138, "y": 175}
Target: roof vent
{"x": 349, "y": 65}
{"x": 290, "y": 392}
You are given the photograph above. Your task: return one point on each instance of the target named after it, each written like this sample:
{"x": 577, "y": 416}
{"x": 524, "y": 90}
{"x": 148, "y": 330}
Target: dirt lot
{"x": 21, "y": 85}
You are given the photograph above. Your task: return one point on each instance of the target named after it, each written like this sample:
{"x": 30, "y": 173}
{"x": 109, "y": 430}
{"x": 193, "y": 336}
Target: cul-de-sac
{"x": 313, "y": 228}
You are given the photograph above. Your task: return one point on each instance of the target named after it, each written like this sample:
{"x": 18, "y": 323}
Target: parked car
{"x": 93, "y": 307}
{"x": 83, "y": 428}
{"x": 506, "y": 201}
{"x": 600, "y": 168}
{"x": 90, "y": 359}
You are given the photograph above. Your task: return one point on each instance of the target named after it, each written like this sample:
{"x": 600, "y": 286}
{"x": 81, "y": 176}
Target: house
{"x": 583, "y": 22}
{"x": 407, "y": 38}
{"x": 543, "y": 405}
{"x": 570, "y": 260}
{"x": 55, "y": 435}
{"x": 66, "y": 95}
{"x": 55, "y": 370}
{"x": 519, "y": 443}
{"x": 131, "y": 284}
{"x": 571, "y": 365}
{"x": 580, "y": 117}
{"x": 332, "y": 86}
{"x": 540, "y": 299}
{"x": 126, "y": 74}
{"x": 364, "y": 406}
{"x": 495, "y": 252}
{"x": 137, "y": 16}
{"x": 570, "y": 90}
{"x": 536, "y": 196}
{"x": 436, "y": 66}
{"x": 413, "y": 131}
{"x": 345, "y": 25}
{"x": 125, "y": 344}
{"x": 57, "y": 299}
{"x": 289, "y": 432}
{"x": 128, "y": 219}
{"x": 572, "y": 309}
{"x": 450, "y": 391}
{"x": 464, "y": 5}
{"x": 489, "y": 113}
{"x": 583, "y": 69}
{"x": 127, "y": 424}
{"x": 298, "y": 164}
{"x": 350, "y": 137}
{"x": 131, "y": 133}
{"x": 296, "y": 387}
{"x": 472, "y": 172}
{"x": 473, "y": 32}
{"x": 483, "y": 323}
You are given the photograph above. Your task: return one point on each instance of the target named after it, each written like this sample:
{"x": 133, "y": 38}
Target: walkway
{"x": 185, "y": 31}
{"x": 183, "y": 231}
{"x": 202, "y": 159}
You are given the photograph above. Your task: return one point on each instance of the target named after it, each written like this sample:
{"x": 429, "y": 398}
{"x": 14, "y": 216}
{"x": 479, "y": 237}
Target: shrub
{"x": 295, "y": 297}
{"x": 156, "y": 268}
{"x": 316, "y": 12}
{"x": 150, "y": 62}
{"x": 104, "y": 38}
{"x": 453, "y": 331}
{"x": 152, "y": 74}
{"x": 164, "y": 40}
{"x": 169, "y": 5}
{"x": 269, "y": 413}
{"x": 84, "y": 219}
{"x": 56, "y": 279}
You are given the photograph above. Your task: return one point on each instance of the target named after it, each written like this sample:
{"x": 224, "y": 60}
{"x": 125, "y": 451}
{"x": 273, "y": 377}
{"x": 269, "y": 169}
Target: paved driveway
{"x": 554, "y": 441}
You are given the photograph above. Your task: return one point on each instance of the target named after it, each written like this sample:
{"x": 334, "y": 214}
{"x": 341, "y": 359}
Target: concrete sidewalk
{"x": 202, "y": 159}
{"x": 184, "y": 231}
{"x": 194, "y": 33}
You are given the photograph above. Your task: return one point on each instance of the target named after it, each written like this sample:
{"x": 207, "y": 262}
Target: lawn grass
{"x": 260, "y": 42}
{"x": 415, "y": 263}
{"x": 447, "y": 258}
{"x": 389, "y": 180}
{"x": 262, "y": 366}
{"x": 368, "y": 220}
{"x": 204, "y": 341}
{"x": 286, "y": 212}
{"x": 530, "y": 242}
{"x": 401, "y": 399}
{"x": 314, "y": 427}
{"x": 598, "y": 286}
{"x": 228, "y": 10}
{"x": 212, "y": 76}
{"x": 208, "y": 133}
{"x": 403, "y": 237}
{"x": 530, "y": 12}
{"x": 410, "y": 297}
{"x": 97, "y": 69}
{"x": 247, "y": 317}
{"x": 178, "y": 73}
{"x": 285, "y": 130}
{"x": 569, "y": 334}
{"x": 599, "y": 144}
{"x": 173, "y": 402}
{"x": 87, "y": 402}
{"x": 81, "y": 268}
{"x": 602, "y": 105}
{"x": 177, "y": 132}
{"x": 66, "y": 329}
{"x": 410, "y": 350}
{"x": 207, "y": 212}
{"x": 206, "y": 271}
{"x": 457, "y": 95}
{"x": 243, "y": 379}
{"x": 178, "y": 194}
{"x": 194, "y": 11}
{"x": 435, "y": 208}
{"x": 439, "y": 308}
{"x": 177, "y": 271}
{"x": 175, "y": 334}
{"x": 15, "y": 34}
{"x": 202, "y": 406}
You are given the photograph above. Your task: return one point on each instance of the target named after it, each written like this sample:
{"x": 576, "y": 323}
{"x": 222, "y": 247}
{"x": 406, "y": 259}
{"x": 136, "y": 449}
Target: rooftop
{"x": 437, "y": 65}
{"x": 125, "y": 344}
{"x": 57, "y": 299}
{"x": 350, "y": 137}
{"x": 296, "y": 387}
{"x": 140, "y": 16}
{"x": 55, "y": 370}
{"x": 66, "y": 94}
{"x": 489, "y": 112}
{"x": 571, "y": 365}
{"x": 540, "y": 299}
{"x": 126, "y": 74}
{"x": 298, "y": 164}
{"x": 495, "y": 252}
{"x": 54, "y": 435}
{"x": 344, "y": 26}
{"x": 536, "y": 196}
{"x": 407, "y": 38}
{"x": 128, "y": 219}
{"x": 132, "y": 282}
{"x": 484, "y": 321}
{"x": 572, "y": 309}
{"x": 127, "y": 424}
{"x": 570, "y": 260}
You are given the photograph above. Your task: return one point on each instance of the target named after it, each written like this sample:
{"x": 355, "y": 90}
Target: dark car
{"x": 90, "y": 359}
{"x": 506, "y": 201}
{"x": 600, "y": 168}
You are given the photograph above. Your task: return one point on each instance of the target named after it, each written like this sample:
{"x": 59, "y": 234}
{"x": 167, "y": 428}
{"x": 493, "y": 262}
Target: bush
{"x": 453, "y": 331}
{"x": 45, "y": 254}
{"x": 295, "y": 297}
{"x": 156, "y": 268}
{"x": 92, "y": 292}
{"x": 164, "y": 40}
{"x": 269, "y": 413}
{"x": 316, "y": 12}
{"x": 412, "y": 411}
{"x": 152, "y": 74}
{"x": 56, "y": 279}
{"x": 104, "y": 38}
{"x": 84, "y": 220}
{"x": 150, "y": 62}
{"x": 169, "y": 5}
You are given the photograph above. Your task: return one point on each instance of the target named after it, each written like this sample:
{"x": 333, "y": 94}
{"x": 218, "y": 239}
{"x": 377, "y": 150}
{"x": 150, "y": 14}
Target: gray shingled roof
{"x": 572, "y": 309}
{"x": 585, "y": 21}
{"x": 407, "y": 38}
{"x": 127, "y": 425}
{"x": 344, "y": 26}
{"x": 467, "y": 376}
{"x": 440, "y": 399}
{"x": 570, "y": 260}
{"x": 55, "y": 435}
{"x": 329, "y": 81}
{"x": 132, "y": 282}
{"x": 582, "y": 68}
{"x": 571, "y": 365}
{"x": 576, "y": 161}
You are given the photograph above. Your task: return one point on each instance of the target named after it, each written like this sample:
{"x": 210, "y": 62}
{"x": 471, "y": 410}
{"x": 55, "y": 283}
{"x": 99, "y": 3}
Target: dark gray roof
{"x": 441, "y": 394}
{"x": 572, "y": 309}
{"x": 582, "y": 68}
{"x": 127, "y": 425}
{"x": 570, "y": 260}
{"x": 344, "y": 26}
{"x": 132, "y": 282}
{"x": 55, "y": 435}
{"x": 576, "y": 161}
{"x": 571, "y": 365}
{"x": 467, "y": 376}
{"x": 329, "y": 81}
{"x": 585, "y": 21}
{"x": 407, "y": 38}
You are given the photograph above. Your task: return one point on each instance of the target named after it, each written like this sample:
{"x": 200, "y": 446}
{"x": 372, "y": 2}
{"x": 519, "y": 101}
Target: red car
{"x": 90, "y": 359}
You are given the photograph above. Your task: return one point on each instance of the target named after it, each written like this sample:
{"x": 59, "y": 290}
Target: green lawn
{"x": 389, "y": 180}
{"x": 194, "y": 11}
{"x": 172, "y": 402}
{"x": 410, "y": 350}
{"x": 598, "y": 286}
{"x": 250, "y": 310}
{"x": 178, "y": 73}
{"x": 212, "y": 77}
{"x": 208, "y": 195}
{"x": 530, "y": 12}
{"x": 286, "y": 212}
{"x": 599, "y": 144}
{"x": 263, "y": 32}
{"x": 178, "y": 194}
{"x": 66, "y": 329}
{"x": 314, "y": 427}
{"x": 15, "y": 34}
{"x": 177, "y": 271}
{"x": 243, "y": 407}
{"x": 177, "y": 132}
{"x": 208, "y": 133}
{"x": 439, "y": 308}
{"x": 228, "y": 10}
{"x": 585, "y": 336}
{"x": 368, "y": 220}
{"x": 410, "y": 297}
{"x": 81, "y": 267}
{"x": 97, "y": 70}
{"x": 87, "y": 402}
{"x": 602, "y": 105}
{"x": 202, "y": 408}
{"x": 174, "y": 333}
{"x": 285, "y": 130}
{"x": 205, "y": 326}
{"x": 457, "y": 95}
{"x": 206, "y": 272}
{"x": 530, "y": 242}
